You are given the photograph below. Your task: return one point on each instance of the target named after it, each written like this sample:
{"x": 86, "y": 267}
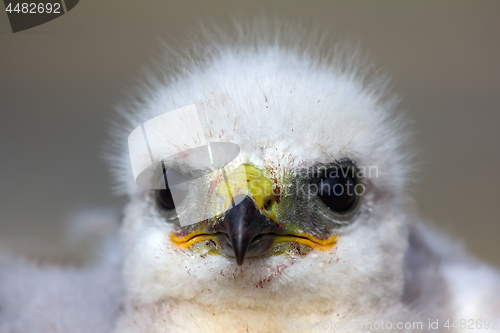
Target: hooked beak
{"x": 249, "y": 233}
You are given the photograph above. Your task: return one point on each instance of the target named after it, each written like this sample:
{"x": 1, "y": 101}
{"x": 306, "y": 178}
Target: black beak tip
{"x": 239, "y": 260}
{"x": 240, "y": 250}
{"x": 242, "y": 224}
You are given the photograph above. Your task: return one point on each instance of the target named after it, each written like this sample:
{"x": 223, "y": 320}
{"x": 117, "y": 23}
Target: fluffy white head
{"x": 287, "y": 106}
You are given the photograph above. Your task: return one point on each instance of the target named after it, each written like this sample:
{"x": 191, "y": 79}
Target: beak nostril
{"x": 267, "y": 205}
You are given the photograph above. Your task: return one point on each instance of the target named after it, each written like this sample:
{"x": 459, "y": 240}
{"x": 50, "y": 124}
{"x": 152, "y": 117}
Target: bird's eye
{"x": 337, "y": 191}
{"x": 165, "y": 199}
{"x": 166, "y": 194}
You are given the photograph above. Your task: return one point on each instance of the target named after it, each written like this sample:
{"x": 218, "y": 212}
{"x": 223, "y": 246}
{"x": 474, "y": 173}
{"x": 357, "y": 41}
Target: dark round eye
{"x": 171, "y": 185}
{"x": 164, "y": 198}
{"x": 337, "y": 191}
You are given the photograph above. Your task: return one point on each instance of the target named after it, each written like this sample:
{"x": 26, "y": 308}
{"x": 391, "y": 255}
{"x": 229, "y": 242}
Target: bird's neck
{"x": 188, "y": 316}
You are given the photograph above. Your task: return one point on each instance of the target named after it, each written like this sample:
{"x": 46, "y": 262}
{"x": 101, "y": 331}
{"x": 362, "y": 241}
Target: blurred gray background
{"x": 59, "y": 81}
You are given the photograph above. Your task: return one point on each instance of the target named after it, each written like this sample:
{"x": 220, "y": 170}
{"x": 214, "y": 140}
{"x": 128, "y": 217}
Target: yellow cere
{"x": 250, "y": 181}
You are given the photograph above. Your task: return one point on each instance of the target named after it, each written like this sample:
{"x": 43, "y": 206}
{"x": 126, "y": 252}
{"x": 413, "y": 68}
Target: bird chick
{"x": 295, "y": 249}
{"x": 304, "y": 228}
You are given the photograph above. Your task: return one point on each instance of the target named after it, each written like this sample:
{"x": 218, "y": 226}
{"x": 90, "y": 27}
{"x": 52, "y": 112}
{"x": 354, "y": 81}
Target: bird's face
{"x": 308, "y": 213}
{"x": 255, "y": 222}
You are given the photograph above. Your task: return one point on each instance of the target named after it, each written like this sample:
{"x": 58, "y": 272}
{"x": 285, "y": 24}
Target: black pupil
{"x": 338, "y": 192}
{"x": 165, "y": 199}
